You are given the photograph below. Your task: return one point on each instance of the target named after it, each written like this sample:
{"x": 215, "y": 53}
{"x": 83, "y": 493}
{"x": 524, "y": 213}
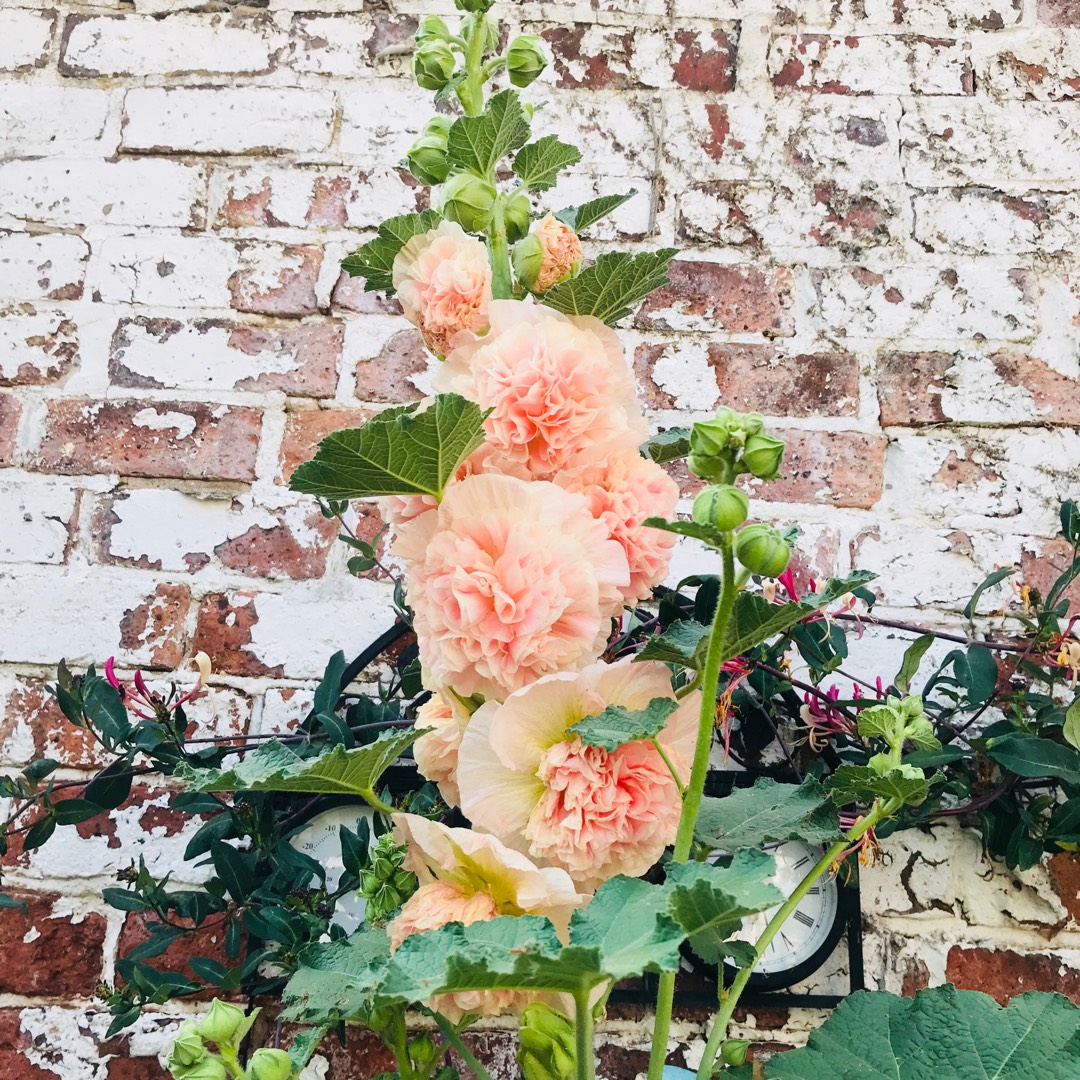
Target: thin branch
{"x": 895, "y": 624}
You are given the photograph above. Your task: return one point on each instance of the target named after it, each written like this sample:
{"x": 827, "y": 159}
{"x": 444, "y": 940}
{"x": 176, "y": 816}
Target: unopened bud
{"x": 528, "y": 259}
{"x": 187, "y": 1047}
{"x": 762, "y": 455}
{"x": 437, "y": 125}
{"x": 479, "y": 22}
{"x": 517, "y": 214}
{"x": 433, "y": 65}
{"x": 733, "y": 1051}
{"x": 762, "y": 550}
{"x": 431, "y": 28}
{"x": 722, "y": 506}
{"x": 524, "y": 59}
{"x": 545, "y": 1044}
{"x": 269, "y": 1064}
{"x": 422, "y": 1052}
{"x": 427, "y": 159}
{"x": 208, "y": 1068}
{"x": 469, "y": 200}
{"x": 223, "y": 1023}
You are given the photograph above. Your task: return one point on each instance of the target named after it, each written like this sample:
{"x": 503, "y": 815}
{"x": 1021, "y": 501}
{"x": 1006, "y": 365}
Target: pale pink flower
{"x": 470, "y": 877}
{"x": 559, "y": 388}
{"x": 622, "y": 492}
{"x": 562, "y": 252}
{"x": 443, "y": 281}
{"x": 540, "y": 789}
{"x": 509, "y": 580}
{"x": 436, "y": 752}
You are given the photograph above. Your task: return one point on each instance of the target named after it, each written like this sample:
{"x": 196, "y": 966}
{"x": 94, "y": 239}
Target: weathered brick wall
{"x": 879, "y": 204}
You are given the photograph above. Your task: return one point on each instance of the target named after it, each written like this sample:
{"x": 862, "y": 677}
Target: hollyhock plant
{"x": 436, "y": 751}
{"x": 532, "y": 782}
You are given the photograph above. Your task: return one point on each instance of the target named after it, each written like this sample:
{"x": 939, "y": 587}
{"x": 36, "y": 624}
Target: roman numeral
{"x": 801, "y": 916}
{"x": 802, "y": 862}
{"x": 815, "y": 891}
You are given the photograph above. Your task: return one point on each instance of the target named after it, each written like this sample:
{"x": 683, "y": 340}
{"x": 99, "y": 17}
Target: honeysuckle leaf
{"x": 670, "y": 445}
{"x": 402, "y": 451}
{"x": 374, "y": 261}
{"x": 617, "y": 724}
{"x": 709, "y": 902}
{"x": 539, "y": 163}
{"x": 613, "y": 286}
{"x": 768, "y": 813}
{"x": 681, "y": 643}
{"x": 337, "y": 980}
{"x": 941, "y": 1032}
{"x": 861, "y": 784}
{"x": 909, "y": 666}
{"x": 588, "y": 213}
{"x": 1030, "y": 756}
{"x": 275, "y": 767}
{"x": 477, "y": 143}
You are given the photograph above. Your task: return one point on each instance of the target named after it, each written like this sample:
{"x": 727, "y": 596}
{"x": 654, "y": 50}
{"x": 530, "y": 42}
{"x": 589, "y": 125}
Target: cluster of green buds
{"x": 897, "y": 721}
{"x": 223, "y": 1028}
{"x": 385, "y": 883}
{"x": 545, "y": 1044}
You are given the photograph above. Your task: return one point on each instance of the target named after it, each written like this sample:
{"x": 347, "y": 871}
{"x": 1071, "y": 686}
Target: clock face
{"x": 321, "y": 841}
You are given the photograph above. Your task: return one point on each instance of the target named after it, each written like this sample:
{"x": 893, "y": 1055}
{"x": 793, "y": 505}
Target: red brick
{"x": 292, "y": 291}
{"x": 14, "y": 1064}
{"x": 707, "y": 296}
{"x": 50, "y": 345}
{"x": 42, "y": 955}
{"x": 710, "y": 69}
{"x": 1042, "y": 567}
{"x": 277, "y": 552}
{"x": 30, "y": 705}
{"x": 304, "y": 430}
{"x": 1058, "y": 12}
{"x": 350, "y": 295}
{"x": 223, "y": 632}
{"x": 10, "y": 411}
{"x": 207, "y": 940}
{"x": 181, "y": 439}
{"x": 1065, "y": 870}
{"x": 140, "y": 1068}
{"x": 158, "y": 623}
{"x": 1004, "y": 974}
{"x": 605, "y": 64}
{"x": 389, "y": 376}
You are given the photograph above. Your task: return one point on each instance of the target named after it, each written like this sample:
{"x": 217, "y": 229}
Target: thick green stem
{"x": 499, "y": 255}
{"x": 450, "y": 1034}
{"x": 231, "y": 1060}
{"x": 684, "y": 839}
{"x": 583, "y": 1037}
{"x": 471, "y": 91}
{"x": 731, "y": 997}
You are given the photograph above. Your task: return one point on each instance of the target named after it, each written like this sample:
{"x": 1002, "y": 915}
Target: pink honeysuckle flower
{"x": 139, "y": 697}
{"x": 596, "y": 813}
{"x": 468, "y": 877}
{"x": 823, "y": 720}
{"x": 509, "y": 580}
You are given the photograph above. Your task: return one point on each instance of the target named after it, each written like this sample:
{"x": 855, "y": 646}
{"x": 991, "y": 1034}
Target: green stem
{"x": 583, "y": 1037}
{"x": 784, "y": 912}
{"x": 671, "y": 768}
{"x": 450, "y": 1034}
{"x": 471, "y": 91}
{"x": 231, "y": 1059}
{"x": 684, "y": 839}
{"x": 499, "y": 254}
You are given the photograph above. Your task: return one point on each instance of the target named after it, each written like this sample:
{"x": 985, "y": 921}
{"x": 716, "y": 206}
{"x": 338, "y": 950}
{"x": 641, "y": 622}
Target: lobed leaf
{"x": 861, "y": 784}
{"x": 681, "y": 643}
{"x": 613, "y": 286}
{"x": 338, "y": 979}
{"x": 539, "y": 163}
{"x": 617, "y": 724}
{"x": 670, "y": 445}
{"x": 588, "y": 213}
{"x": 374, "y": 261}
{"x": 477, "y": 143}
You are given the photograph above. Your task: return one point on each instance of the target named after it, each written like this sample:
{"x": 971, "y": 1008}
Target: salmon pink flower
{"x": 561, "y": 252}
{"x": 436, "y": 751}
{"x": 560, "y": 391}
{"x": 509, "y": 580}
{"x": 596, "y": 813}
{"x": 443, "y": 281}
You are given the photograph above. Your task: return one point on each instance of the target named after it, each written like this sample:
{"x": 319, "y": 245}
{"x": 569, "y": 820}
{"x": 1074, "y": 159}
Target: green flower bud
{"x": 474, "y": 7}
{"x": 269, "y": 1064}
{"x": 524, "y": 59}
{"x": 517, "y": 214}
{"x": 388, "y": 1021}
{"x": 427, "y": 159}
{"x": 761, "y": 549}
{"x": 733, "y": 1051}
{"x": 761, "y": 456}
{"x": 723, "y": 506}
{"x": 224, "y": 1023}
{"x": 422, "y": 1052}
{"x": 545, "y": 1044}
{"x": 527, "y": 259}
{"x": 187, "y": 1047}
{"x": 469, "y": 200}
{"x": 431, "y": 28}
{"x": 385, "y": 884}
{"x": 438, "y": 125}
{"x": 433, "y": 64}
{"x": 488, "y": 27}
{"x": 208, "y": 1068}
{"x": 719, "y": 470}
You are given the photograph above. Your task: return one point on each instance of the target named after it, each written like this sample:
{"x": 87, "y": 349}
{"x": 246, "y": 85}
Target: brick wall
{"x": 879, "y": 206}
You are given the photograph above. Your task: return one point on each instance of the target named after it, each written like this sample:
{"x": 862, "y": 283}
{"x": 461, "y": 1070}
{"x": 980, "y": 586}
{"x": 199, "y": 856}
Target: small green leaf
{"x": 39, "y": 832}
{"x": 613, "y": 286}
{"x": 861, "y": 784}
{"x": 304, "y": 1044}
{"x": 1029, "y": 756}
{"x": 402, "y": 451}
{"x": 75, "y": 811}
{"x": 588, "y": 213}
{"x": 111, "y": 786}
{"x": 617, "y": 724}
{"x": 477, "y": 143}
{"x": 670, "y": 445}
{"x": 1070, "y": 521}
{"x": 236, "y": 869}
{"x": 374, "y": 261}
{"x": 987, "y": 583}
{"x": 909, "y": 666}
{"x": 329, "y": 688}
{"x": 708, "y": 534}
{"x": 681, "y": 643}
{"x": 123, "y": 900}
{"x": 38, "y": 770}
{"x": 1071, "y": 728}
{"x": 539, "y": 163}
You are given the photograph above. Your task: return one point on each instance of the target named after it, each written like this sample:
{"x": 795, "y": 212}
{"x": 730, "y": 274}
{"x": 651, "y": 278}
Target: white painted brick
{"x": 230, "y": 119}
{"x": 347, "y": 45}
{"x": 381, "y": 118}
{"x": 37, "y": 513}
{"x": 967, "y": 142}
{"x": 171, "y": 271}
{"x": 1042, "y": 64}
{"x": 78, "y": 120}
{"x": 42, "y": 267}
{"x": 633, "y": 218}
{"x": 25, "y": 36}
{"x": 37, "y": 344}
{"x": 67, "y": 193}
{"x": 612, "y": 130}
{"x": 243, "y": 43}
{"x": 921, "y": 16}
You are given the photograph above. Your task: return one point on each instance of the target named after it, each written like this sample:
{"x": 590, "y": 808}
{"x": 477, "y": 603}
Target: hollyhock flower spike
{"x": 596, "y": 813}
{"x": 508, "y": 581}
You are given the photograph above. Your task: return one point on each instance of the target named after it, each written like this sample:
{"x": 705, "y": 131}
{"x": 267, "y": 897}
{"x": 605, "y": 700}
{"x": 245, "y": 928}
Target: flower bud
{"x": 269, "y": 1064}
{"x": 488, "y": 27}
{"x": 517, "y": 214}
{"x": 427, "y": 159}
{"x": 433, "y": 64}
{"x": 528, "y": 259}
{"x": 524, "y": 59}
{"x": 469, "y": 200}
{"x": 723, "y": 506}
{"x": 207, "y": 1068}
{"x": 733, "y": 1051}
{"x": 719, "y": 470}
{"x": 438, "y": 125}
{"x": 431, "y": 28}
{"x": 422, "y": 1052}
{"x": 761, "y": 549}
{"x": 545, "y": 1044}
{"x": 187, "y": 1047}
{"x": 762, "y": 455}
{"x": 223, "y": 1023}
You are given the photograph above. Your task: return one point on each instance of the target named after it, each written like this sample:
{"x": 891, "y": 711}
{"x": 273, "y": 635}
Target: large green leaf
{"x": 861, "y": 784}
{"x": 617, "y": 724}
{"x": 669, "y": 445}
{"x": 539, "y": 163}
{"x": 940, "y": 1034}
{"x": 1030, "y": 756}
{"x": 402, "y": 451}
{"x": 613, "y": 286}
{"x": 588, "y": 213}
{"x": 274, "y": 767}
{"x": 374, "y": 261}
{"x": 476, "y": 143}
{"x": 768, "y": 813}
{"x": 337, "y": 979}
{"x": 681, "y": 643}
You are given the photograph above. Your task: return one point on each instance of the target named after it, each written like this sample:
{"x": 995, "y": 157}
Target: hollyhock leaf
{"x": 617, "y": 724}
{"x": 1030, "y": 756}
{"x": 613, "y": 286}
{"x": 909, "y": 666}
{"x": 304, "y": 1044}
{"x": 709, "y": 902}
{"x": 708, "y": 534}
{"x": 861, "y": 784}
{"x": 337, "y": 980}
{"x": 275, "y": 767}
{"x": 539, "y": 163}
{"x": 681, "y": 643}
{"x": 670, "y": 445}
{"x": 402, "y": 451}
{"x": 940, "y": 1032}
{"x": 768, "y": 813}
{"x": 476, "y": 143}
{"x": 374, "y": 261}
{"x": 588, "y": 213}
